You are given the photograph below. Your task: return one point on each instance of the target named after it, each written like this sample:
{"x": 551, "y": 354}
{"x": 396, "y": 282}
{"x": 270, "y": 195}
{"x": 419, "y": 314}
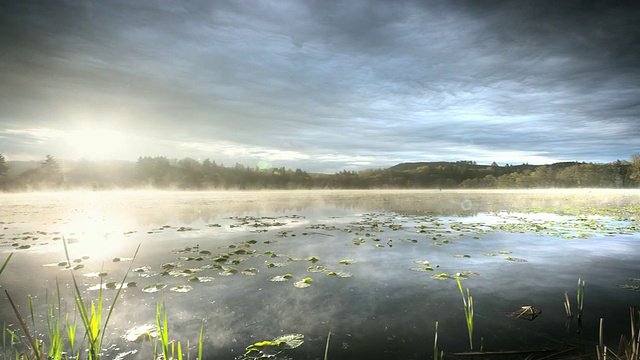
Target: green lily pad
{"x": 269, "y": 349}
{"x": 422, "y": 269}
{"x": 181, "y": 288}
{"x": 342, "y": 274}
{"x": 317, "y": 268}
{"x": 141, "y": 333}
{"x": 95, "y": 274}
{"x": 250, "y": 271}
{"x": 278, "y": 265}
{"x": 303, "y": 283}
{"x": 154, "y": 288}
{"x": 280, "y": 278}
{"x": 348, "y": 261}
{"x": 228, "y": 271}
{"x": 441, "y": 276}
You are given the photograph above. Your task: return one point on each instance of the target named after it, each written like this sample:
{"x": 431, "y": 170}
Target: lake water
{"x": 213, "y": 254}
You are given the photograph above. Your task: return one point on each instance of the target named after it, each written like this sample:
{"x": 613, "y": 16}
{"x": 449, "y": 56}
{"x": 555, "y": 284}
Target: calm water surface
{"x": 511, "y": 249}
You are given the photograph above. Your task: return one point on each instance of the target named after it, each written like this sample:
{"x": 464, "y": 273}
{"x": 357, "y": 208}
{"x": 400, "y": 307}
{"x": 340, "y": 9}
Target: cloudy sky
{"x": 320, "y": 84}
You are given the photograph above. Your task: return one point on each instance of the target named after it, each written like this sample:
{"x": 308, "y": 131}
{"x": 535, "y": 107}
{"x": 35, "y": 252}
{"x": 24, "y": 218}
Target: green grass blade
{"x": 435, "y": 344}
{"x": 24, "y": 326}
{"x": 6, "y": 262}
{"x": 200, "y": 341}
{"x": 115, "y": 298}
{"x": 468, "y": 311}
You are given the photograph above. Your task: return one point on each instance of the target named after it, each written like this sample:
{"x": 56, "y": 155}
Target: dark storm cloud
{"x": 329, "y": 85}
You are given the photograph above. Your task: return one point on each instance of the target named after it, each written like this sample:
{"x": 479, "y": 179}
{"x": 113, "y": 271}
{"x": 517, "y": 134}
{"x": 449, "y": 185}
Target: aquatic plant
{"x": 467, "y": 302}
{"x": 271, "y": 348}
{"x": 436, "y": 355}
{"x": 326, "y": 348}
{"x": 92, "y": 315}
{"x": 6, "y": 262}
{"x": 580, "y": 297}
{"x": 567, "y": 305}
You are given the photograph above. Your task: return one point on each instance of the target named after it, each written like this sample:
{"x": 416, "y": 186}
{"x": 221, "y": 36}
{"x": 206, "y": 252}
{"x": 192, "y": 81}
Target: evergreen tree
{"x": 3, "y": 171}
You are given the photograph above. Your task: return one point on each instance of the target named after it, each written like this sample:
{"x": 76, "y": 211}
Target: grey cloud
{"x": 391, "y": 80}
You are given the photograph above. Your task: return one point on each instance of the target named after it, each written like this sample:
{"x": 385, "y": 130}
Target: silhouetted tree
{"x": 3, "y": 171}
{"x": 50, "y": 172}
{"x": 634, "y": 169}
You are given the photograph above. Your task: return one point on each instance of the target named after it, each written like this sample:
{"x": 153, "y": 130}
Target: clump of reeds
{"x": 171, "y": 349}
{"x": 467, "y": 302}
{"x": 629, "y": 349}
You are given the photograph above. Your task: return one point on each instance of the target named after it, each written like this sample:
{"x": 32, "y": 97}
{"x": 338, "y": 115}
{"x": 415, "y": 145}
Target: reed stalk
{"x": 436, "y": 354}
{"x": 162, "y": 328}
{"x": 567, "y": 305}
{"x": 200, "y": 341}
{"x": 580, "y": 297}
{"x": 6, "y": 262}
{"x": 326, "y": 347}
{"x": 467, "y": 302}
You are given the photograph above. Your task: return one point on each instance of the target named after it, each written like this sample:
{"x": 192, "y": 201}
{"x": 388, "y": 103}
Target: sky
{"x": 321, "y": 85}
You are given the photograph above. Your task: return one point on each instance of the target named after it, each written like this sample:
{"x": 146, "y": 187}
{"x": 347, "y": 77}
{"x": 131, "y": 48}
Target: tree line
{"x": 191, "y": 174}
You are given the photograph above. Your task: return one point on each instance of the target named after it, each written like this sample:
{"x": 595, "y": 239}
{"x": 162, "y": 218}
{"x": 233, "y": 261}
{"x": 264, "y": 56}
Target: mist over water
{"x": 383, "y": 310}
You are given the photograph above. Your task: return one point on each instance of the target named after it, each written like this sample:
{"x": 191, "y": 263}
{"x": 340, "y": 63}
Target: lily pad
{"x": 250, "y": 271}
{"x": 228, "y": 271}
{"x": 270, "y": 264}
{"x": 441, "y": 276}
{"x": 303, "y": 283}
{"x": 181, "y": 288}
{"x": 95, "y": 274}
{"x": 317, "y": 269}
{"x": 141, "y": 333}
{"x": 280, "y": 278}
{"x": 154, "y": 288}
{"x": 342, "y": 274}
{"x": 290, "y": 341}
{"x": 509, "y": 258}
{"x": 269, "y": 349}
{"x": 348, "y": 261}
{"x": 422, "y": 269}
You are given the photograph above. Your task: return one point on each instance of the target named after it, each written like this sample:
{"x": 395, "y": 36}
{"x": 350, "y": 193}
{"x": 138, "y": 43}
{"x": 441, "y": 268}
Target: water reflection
{"x": 383, "y": 309}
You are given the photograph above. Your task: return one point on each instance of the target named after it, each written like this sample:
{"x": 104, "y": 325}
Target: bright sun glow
{"x": 95, "y": 143}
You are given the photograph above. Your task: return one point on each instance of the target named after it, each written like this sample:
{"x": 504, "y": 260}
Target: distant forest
{"x": 190, "y": 174}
